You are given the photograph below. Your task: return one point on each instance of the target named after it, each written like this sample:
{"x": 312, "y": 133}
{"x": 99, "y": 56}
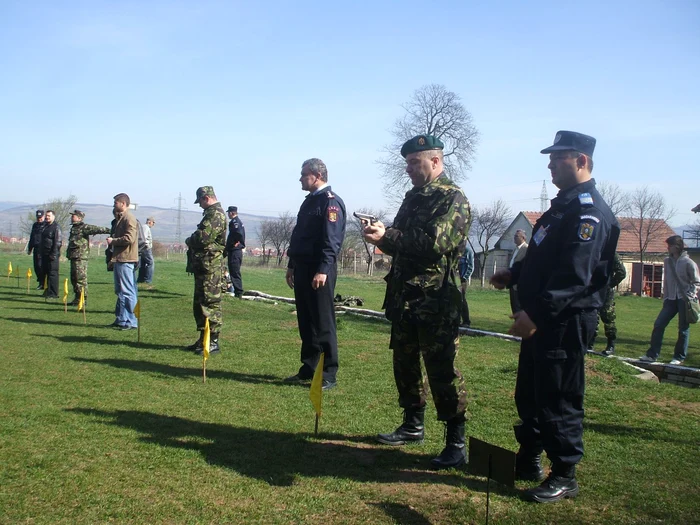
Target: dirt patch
{"x": 690, "y": 407}
{"x": 592, "y": 371}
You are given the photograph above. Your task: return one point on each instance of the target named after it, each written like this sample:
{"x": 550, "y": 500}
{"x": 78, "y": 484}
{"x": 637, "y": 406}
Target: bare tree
{"x": 353, "y": 237}
{"x": 489, "y": 222}
{"x": 616, "y": 199}
{"x": 435, "y": 111}
{"x": 648, "y": 214}
{"x": 264, "y": 230}
{"x": 693, "y": 233}
{"x": 61, "y": 209}
{"x": 281, "y": 233}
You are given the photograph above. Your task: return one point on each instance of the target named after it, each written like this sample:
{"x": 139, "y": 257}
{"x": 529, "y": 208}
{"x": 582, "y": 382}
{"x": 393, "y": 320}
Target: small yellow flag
{"x": 316, "y": 390}
{"x": 9, "y": 269}
{"x": 206, "y": 340}
{"x": 29, "y": 273}
{"x": 65, "y": 291}
{"x": 46, "y": 282}
{"x": 81, "y": 301}
{"x": 137, "y": 310}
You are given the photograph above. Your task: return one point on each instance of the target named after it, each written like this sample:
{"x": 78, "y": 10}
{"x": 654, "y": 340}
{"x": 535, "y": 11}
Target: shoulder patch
{"x": 332, "y": 213}
{"x": 330, "y": 195}
{"x": 590, "y": 218}
{"x": 585, "y": 231}
{"x": 585, "y": 199}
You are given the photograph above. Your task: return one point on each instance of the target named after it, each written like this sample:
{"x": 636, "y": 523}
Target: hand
{"x": 290, "y": 278}
{"x": 500, "y": 279}
{"x": 523, "y": 326}
{"x": 373, "y": 233}
{"x": 109, "y": 240}
{"x": 318, "y": 281}
{"x": 52, "y": 258}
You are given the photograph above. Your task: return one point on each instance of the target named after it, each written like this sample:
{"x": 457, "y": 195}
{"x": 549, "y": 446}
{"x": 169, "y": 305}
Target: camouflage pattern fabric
{"x": 78, "y": 252}
{"x": 78, "y": 277}
{"x": 207, "y": 246}
{"x": 423, "y": 298}
{"x": 347, "y": 300}
{"x": 607, "y": 311}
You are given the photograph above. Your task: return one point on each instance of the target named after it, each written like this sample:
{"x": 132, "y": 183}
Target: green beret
{"x": 421, "y": 143}
{"x": 203, "y": 192}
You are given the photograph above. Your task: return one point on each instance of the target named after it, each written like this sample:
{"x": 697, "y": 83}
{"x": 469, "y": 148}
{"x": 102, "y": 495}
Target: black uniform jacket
{"x": 570, "y": 258}
{"x": 51, "y": 241}
{"x": 35, "y": 237}
{"x": 236, "y": 233}
{"x": 319, "y": 231}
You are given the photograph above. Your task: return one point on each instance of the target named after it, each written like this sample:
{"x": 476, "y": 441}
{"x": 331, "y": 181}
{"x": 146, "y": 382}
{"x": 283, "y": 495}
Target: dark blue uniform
{"x": 561, "y": 284}
{"x": 236, "y": 234}
{"x": 35, "y": 246}
{"x": 50, "y": 253}
{"x": 314, "y": 248}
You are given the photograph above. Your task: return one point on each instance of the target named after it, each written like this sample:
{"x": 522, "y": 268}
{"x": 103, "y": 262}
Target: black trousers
{"x": 50, "y": 269}
{"x": 514, "y": 301}
{"x": 316, "y": 318}
{"x": 38, "y": 271}
{"x": 235, "y": 259}
{"x": 550, "y": 387}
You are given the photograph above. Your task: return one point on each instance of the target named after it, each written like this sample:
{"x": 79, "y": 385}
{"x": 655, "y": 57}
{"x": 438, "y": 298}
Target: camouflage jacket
{"x": 78, "y": 240}
{"x": 426, "y": 241}
{"x": 618, "y": 273}
{"x": 208, "y": 241}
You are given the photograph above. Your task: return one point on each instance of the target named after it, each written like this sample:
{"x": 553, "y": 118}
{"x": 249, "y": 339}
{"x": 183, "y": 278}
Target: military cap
{"x": 572, "y": 141}
{"x": 39, "y": 213}
{"x": 233, "y": 209}
{"x": 203, "y": 192}
{"x": 421, "y": 143}
{"x": 78, "y": 214}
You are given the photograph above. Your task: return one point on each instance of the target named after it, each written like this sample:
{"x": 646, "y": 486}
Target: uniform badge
{"x": 421, "y": 141}
{"x": 332, "y": 214}
{"x": 585, "y": 199}
{"x": 585, "y": 231}
{"x": 540, "y": 234}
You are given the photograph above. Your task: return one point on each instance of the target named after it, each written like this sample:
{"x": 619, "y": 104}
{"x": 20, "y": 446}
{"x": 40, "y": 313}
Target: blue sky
{"x": 155, "y": 98}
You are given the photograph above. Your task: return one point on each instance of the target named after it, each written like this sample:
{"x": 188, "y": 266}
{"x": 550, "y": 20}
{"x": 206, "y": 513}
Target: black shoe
{"x": 327, "y": 385}
{"x": 213, "y": 348}
{"x": 124, "y": 327}
{"x": 39, "y": 286}
{"x": 112, "y": 325}
{"x": 296, "y": 378}
{"x": 528, "y": 466}
{"x": 454, "y": 454}
{"x": 610, "y": 349}
{"x": 554, "y": 488}
{"x": 74, "y": 302}
{"x": 412, "y": 430}
{"x": 197, "y": 345}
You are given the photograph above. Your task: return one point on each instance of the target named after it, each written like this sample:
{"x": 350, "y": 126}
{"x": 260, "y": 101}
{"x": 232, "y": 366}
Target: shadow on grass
{"x": 156, "y": 294}
{"x": 179, "y": 371}
{"x": 71, "y": 309}
{"x": 634, "y": 432}
{"x": 277, "y": 458}
{"x": 91, "y": 339}
{"x": 401, "y": 513}
{"x": 39, "y": 320}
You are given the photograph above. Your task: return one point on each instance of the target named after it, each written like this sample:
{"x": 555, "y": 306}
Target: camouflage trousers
{"x": 206, "y": 302}
{"x": 437, "y": 344}
{"x": 78, "y": 276}
{"x": 608, "y": 316}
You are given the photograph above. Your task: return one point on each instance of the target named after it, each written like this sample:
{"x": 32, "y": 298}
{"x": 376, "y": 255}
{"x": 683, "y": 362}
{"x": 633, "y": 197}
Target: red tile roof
{"x": 629, "y": 242}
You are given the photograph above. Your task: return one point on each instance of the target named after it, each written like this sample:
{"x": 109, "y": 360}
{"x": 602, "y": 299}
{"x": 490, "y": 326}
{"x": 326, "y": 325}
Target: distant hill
{"x": 165, "y": 229}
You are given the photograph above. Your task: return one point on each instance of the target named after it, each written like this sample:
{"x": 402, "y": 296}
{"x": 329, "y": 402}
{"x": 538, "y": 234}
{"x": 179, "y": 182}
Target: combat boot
{"x": 412, "y": 430}
{"x": 610, "y": 349}
{"x": 560, "y": 484}
{"x": 197, "y": 345}
{"x": 528, "y": 466}
{"x": 454, "y": 454}
{"x": 213, "y": 345}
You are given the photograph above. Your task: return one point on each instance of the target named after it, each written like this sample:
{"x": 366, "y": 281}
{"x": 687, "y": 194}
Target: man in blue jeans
{"x": 125, "y": 255}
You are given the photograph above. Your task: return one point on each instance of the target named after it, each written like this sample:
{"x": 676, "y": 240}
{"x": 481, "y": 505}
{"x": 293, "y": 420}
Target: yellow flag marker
{"x": 206, "y": 340}
{"x": 81, "y": 301}
{"x": 316, "y": 391}
{"x": 137, "y": 314}
{"x": 46, "y": 282}
{"x": 65, "y": 295}
{"x": 9, "y": 271}
{"x": 29, "y": 276}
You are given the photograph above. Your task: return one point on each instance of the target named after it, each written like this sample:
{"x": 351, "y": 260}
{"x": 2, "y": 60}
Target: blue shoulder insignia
{"x": 330, "y": 194}
{"x": 585, "y": 199}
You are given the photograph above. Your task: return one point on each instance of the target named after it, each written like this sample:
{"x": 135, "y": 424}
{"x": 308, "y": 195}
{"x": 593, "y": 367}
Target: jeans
{"x": 146, "y": 267}
{"x": 669, "y": 310}
{"x": 125, "y": 288}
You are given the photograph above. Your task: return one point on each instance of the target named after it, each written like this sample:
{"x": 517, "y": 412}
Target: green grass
{"x": 95, "y": 427}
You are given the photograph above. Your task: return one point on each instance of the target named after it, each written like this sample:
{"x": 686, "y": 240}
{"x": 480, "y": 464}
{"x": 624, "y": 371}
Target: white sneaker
{"x": 675, "y": 362}
{"x": 646, "y": 359}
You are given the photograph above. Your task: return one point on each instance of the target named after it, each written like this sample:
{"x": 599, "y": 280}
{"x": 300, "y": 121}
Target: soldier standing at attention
{"x": 51, "y": 241}
{"x": 235, "y": 242}
{"x": 78, "y": 252}
{"x": 35, "y": 246}
{"x": 423, "y": 300}
{"x": 561, "y": 285}
{"x": 313, "y": 253}
{"x": 207, "y": 246}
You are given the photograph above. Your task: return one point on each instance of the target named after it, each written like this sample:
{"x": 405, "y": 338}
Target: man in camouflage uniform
{"x": 423, "y": 299}
{"x": 78, "y": 252}
{"x": 607, "y": 311}
{"x": 206, "y": 245}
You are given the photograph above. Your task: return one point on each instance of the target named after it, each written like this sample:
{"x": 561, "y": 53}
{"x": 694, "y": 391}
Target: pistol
{"x": 366, "y": 218}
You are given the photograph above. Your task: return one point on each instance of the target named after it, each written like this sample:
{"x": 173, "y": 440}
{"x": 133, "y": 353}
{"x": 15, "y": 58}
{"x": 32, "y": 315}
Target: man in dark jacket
{"x": 35, "y": 246}
{"x": 235, "y": 242}
{"x": 51, "y": 242}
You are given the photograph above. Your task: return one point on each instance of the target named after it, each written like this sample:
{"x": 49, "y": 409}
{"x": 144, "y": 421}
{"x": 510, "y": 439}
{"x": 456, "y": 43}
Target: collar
{"x": 564, "y": 197}
{"x": 319, "y": 190}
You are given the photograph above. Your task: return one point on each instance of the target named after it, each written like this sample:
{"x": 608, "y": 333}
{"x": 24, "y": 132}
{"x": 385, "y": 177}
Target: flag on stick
{"x": 316, "y": 391}
{"x": 81, "y": 304}
{"x": 9, "y": 271}
{"x": 46, "y": 282}
{"x": 137, "y": 314}
{"x": 206, "y": 339}
{"x": 29, "y": 276}
{"x": 65, "y": 295}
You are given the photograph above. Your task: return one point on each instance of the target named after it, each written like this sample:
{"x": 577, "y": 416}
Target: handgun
{"x": 366, "y": 218}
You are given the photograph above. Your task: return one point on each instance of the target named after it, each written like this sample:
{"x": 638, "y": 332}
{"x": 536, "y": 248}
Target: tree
{"x": 435, "y": 111}
{"x": 648, "y": 214}
{"x": 281, "y": 233}
{"x": 616, "y": 199}
{"x": 60, "y": 207}
{"x": 264, "y": 231}
{"x": 354, "y": 242}
{"x": 489, "y": 222}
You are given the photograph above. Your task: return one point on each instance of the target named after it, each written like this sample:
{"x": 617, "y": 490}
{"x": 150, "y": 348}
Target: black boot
{"x": 560, "y": 484}
{"x": 196, "y": 346}
{"x": 610, "y": 349}
{"x": 412, "y": 430}
{"x": 213, "y": 345}
{"x": 454, "y": 454}
{"x": 528, "y": 466}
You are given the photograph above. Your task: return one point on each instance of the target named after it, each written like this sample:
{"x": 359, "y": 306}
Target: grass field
{"x": 95, "y": 427}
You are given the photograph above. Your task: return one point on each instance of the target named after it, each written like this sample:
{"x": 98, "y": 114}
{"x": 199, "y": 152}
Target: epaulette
{"x": 330, "y": 195}
{"x": 585, "y": 199}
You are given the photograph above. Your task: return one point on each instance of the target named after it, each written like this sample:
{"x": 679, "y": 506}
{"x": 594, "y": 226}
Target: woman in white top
{"x": 681, "y": 280}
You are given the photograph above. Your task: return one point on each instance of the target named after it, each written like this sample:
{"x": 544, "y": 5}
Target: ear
{"x": 581, "y": 161}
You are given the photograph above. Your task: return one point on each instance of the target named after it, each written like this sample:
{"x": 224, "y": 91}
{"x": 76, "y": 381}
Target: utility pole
{"x": 178, "y": 223}
{"x": 544, "y": 198}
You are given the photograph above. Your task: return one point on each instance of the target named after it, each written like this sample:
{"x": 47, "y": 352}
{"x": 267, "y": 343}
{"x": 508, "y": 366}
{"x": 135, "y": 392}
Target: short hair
{"x": 677, "y": 241}
{"x": 122, "y": 197}
{"x": 50, "y": 211}
{"x": 430, "y": 153}
{"x": 318, "y": 167}
{"x": 522, "y": 232}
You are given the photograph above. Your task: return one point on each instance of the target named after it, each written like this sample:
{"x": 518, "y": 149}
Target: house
{"x": 641, "y": 278}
